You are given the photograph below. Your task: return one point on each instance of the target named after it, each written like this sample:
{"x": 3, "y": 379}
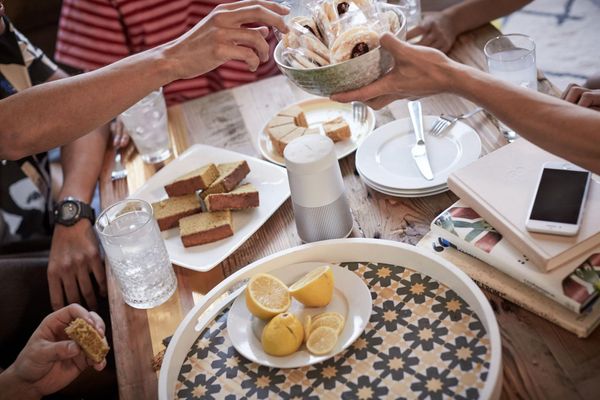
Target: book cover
{"x": 573, "y": 285}
{"x": 500, "y": 187}
{"x": 497, "y": 282}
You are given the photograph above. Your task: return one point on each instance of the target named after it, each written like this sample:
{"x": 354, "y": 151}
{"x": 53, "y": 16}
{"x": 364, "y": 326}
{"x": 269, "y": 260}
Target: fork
{"x": 446, "y": 121}
{"x": 359, "y": 112}
{"x": 119, "y": 171}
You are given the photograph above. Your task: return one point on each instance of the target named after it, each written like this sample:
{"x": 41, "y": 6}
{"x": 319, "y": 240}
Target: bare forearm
{"x": 81, "y": 163}
{"x": 471, "y": 14}
{"x": 12, "y": 387}
{"x": 59, "y": 112}
{"x": 564, "y": 129}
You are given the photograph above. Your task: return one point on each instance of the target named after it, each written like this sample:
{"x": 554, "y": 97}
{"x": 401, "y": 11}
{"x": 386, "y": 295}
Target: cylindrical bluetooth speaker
{"x": 319, "y": 198}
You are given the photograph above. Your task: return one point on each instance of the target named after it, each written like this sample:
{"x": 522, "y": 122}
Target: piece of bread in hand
{"x": 168, "y": 212}
{"x": 87, "y": 337}
{"x": 198, "y": 179}
{"x": 242, "y": 197}
{"x": 230, "y": 175}
{"x": 337, "y": 129}
{"x": 205, "y": 228}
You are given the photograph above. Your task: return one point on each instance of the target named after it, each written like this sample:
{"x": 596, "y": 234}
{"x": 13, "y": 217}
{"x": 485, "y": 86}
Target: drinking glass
{"x": 146, "y": 123}
{"x": 512, "y": 59}
{"x": 136, "y": 253}
{"x": 412, "y": 12}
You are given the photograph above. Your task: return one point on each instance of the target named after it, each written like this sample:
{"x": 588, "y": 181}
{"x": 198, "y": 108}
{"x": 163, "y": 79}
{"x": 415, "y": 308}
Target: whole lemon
{"x": 283, "y": 335}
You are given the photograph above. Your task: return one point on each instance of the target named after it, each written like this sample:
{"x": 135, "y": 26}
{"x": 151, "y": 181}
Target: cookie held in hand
{"x": 87, "y": 337}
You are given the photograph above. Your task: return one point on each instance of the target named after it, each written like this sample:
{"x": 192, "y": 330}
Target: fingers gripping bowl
{"x": 346, "y": 75}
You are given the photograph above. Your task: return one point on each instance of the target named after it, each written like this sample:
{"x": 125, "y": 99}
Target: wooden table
{"x": 540, "y": 360}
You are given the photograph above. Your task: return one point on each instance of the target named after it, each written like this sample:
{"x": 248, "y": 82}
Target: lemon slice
{"x": 314, "y": 289}
{"x": 333, "y": 320}
{"x": 321, "y": 340}
{"x": 307, "y": 326}
{"x": 267, "y": 296}
{"x": 283, "y": 335}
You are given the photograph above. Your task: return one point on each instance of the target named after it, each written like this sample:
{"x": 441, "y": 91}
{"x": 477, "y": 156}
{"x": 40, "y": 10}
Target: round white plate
{"x": 318, "y": 111}
{"x": 407, "y": 194}
{"x": 384, "y": 157}
{"x": 351, "y": 298}
{"x": 374, "y": 185}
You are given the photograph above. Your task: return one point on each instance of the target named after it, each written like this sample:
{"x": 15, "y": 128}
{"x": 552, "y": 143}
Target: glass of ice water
{"x": 146, "y": 123}
{"x": 412, "y": 11}
{"x": 136, "y": 253}
{"x": 512, "y": 59}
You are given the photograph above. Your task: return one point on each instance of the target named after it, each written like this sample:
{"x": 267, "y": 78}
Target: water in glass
{"x": 146, "y": 122}
{"x": 137, "y": 254}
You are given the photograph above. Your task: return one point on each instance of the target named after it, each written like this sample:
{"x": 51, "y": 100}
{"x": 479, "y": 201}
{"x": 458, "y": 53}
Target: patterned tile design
{"x": 422, "y": 341}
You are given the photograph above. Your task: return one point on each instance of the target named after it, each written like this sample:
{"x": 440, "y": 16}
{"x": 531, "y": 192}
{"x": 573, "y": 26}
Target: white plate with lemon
{"x": 287, "y": 334}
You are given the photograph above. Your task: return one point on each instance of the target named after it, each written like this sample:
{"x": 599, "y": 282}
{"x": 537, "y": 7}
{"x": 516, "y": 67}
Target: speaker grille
{"x": 331, "y": 221}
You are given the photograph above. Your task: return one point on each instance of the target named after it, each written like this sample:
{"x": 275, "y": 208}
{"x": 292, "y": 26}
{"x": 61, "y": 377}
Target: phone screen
{"x": 559, "y": 196}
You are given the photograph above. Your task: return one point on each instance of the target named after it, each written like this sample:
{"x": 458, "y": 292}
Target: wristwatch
{"x": 70, "y": 210}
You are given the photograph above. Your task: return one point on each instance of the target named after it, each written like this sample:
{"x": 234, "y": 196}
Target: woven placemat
{"x": 422, "y": 341}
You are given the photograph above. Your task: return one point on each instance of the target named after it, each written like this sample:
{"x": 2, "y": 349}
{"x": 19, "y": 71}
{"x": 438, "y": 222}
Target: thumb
{"x": 393, "y": 45}
{"x": 58, "y": 351}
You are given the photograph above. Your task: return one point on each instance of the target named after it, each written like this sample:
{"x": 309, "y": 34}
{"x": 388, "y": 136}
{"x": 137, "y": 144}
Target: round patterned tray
{"x": 424, "y": 339}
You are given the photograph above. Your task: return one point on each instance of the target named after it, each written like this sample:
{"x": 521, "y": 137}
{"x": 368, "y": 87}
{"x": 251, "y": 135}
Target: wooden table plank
{"x": 540, "y": 359}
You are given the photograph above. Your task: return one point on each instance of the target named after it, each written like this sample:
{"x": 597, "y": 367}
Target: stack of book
{"x": 556, "y": 277}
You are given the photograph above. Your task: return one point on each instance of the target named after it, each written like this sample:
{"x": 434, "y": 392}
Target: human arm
{"x": 74, "y": 252}
{"x": 561, "y": 128}
{"x": 49, "y": 361}
{"x": 59, "y": 112}
{"x": 439, "y": 29}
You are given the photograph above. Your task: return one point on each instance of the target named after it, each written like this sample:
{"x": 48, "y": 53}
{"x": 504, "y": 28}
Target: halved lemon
{"x": 267, "y": 296}
{"x": 333, "y": 320}
{"x": 314, "y": 289}
{"x": 321, "y": 340}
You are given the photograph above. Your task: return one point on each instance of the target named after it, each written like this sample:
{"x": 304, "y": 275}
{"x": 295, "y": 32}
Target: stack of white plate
{"x": 385, "y": 163}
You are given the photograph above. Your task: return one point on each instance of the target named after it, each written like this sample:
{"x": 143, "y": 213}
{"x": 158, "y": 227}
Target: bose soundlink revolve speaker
{"x": 319, "y": 198}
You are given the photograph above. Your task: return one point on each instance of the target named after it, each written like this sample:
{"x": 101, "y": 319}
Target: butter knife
{"x": 419, "y": 150}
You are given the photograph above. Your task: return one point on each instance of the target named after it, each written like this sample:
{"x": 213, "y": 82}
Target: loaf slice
{"x": 168, "y": 212}
{"x": 88, "y": 338}
{"x": 280, "y": 143}
{"x": 198, "y": 179}
{"x": 298, "y": 115}
{"x": 281, "y": 120}
{"x": 242, "y": 197}
{"x": 205, "y": 228}
{"x": 337, "y": 129}
{"x": 230, "y": 175}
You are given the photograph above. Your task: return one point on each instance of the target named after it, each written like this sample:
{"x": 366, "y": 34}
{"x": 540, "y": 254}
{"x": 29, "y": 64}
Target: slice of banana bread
{"x": 168, "y": 212}
{"x": 242, "y": 197}
{"x": 230, "y": 175}
{"x": 198, "y": 179}
{"x": 87, "y": 337}
{"x": 337, "y": 129}
{"x": 297, "y": 113}
{"x": 205, "y": 228}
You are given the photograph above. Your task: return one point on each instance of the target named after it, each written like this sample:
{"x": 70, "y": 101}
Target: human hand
{"x": 73, "y": 255}
{"x": 50, "y": 360}
{"x": 223, "y": 36}
{"x": 437, "y": 30}
{"x": 119, "y": 134}
{"x": 418, "y": 71}
{"x": 582, "y": 96}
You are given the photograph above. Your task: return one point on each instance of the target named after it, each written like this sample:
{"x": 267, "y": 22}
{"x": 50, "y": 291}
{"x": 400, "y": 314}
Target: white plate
{"x": 334, "y": 251}
{"x": 384, "y": 157}
{"x": 318, "y": 111}
{"x": 270, "y": 180}
{"x": 404, "y": 193}
{"x": 351, "y": 298}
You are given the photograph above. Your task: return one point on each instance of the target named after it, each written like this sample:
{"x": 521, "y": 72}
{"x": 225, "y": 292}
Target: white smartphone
{"x": 557, "y": 206}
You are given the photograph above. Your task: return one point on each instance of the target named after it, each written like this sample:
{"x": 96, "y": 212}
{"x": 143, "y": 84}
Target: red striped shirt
{"x": 95, "y": 33}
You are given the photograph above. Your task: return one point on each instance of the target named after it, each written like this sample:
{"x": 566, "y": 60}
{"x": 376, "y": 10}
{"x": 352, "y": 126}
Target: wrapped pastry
{"x": 353, "y": 43}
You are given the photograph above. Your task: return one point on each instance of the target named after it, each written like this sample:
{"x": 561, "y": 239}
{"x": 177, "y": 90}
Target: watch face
{"x": 69, "y": 210}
